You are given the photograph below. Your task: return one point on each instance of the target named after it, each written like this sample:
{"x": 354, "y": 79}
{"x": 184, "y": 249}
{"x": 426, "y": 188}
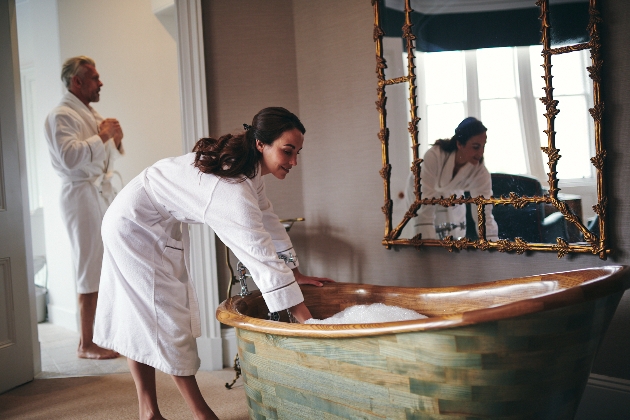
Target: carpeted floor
{"x": 114, "y": 397}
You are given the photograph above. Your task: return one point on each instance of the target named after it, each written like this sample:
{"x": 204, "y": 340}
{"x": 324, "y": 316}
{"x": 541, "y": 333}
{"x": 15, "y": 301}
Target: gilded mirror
{"x": 522, "y": 63}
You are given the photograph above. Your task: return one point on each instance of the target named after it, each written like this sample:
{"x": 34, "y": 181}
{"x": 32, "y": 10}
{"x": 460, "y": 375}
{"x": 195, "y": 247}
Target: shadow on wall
{"x": 328, "y": 252}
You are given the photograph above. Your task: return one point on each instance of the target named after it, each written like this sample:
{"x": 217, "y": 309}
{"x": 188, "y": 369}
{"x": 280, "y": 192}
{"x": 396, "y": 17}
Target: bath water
{"x": 369, "y": 314}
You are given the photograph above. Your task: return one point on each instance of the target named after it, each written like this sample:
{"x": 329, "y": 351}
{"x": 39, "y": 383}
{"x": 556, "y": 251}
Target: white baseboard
{"x": 211, "y": 353}
{"x": 62, "y": 317}
{"x": 605, "y": 397}
{"x": 228, "y": 336}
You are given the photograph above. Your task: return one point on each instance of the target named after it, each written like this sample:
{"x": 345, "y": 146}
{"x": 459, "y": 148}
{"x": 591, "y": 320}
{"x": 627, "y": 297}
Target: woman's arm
{"x": 300, "y": 312}
{"x": 271, "y": 223}
{"x": 234, "y": 215}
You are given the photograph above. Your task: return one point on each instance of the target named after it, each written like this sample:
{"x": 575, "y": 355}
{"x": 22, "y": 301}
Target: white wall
{"x": 244, "y": 75}
{"x": 136, "y": 57}
{"x": 137, "y": 60}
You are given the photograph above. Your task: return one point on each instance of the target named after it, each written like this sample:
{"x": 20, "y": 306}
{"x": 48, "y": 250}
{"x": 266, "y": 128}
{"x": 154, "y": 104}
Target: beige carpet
{"x": 114, "y": 397}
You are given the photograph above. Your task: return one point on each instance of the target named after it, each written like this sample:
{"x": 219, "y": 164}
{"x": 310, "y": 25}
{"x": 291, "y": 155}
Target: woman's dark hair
{"x": 236, "y": 156}
{"x": 466, "y": 129}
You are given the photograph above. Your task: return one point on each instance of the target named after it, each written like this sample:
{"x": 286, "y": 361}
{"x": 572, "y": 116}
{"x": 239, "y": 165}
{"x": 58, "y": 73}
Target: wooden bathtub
{"x": 520, "y": 348}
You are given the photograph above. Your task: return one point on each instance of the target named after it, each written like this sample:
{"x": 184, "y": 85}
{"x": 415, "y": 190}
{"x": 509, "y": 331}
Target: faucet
{"x": 287, "y": 260}
{"x": 242, "y": 278}
{"x": 443, "y": 229}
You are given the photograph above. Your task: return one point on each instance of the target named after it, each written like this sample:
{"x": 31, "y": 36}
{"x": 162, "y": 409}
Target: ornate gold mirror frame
{"x": 595, "y": 244}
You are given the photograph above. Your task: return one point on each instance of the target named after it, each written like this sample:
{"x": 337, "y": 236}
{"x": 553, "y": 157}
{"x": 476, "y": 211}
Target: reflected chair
{"x": 530, "y": 222}
{"x": 593, "y": 225}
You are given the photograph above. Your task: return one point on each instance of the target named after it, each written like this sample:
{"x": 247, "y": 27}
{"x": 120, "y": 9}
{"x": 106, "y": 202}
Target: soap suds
{"x": 369, "y": 314}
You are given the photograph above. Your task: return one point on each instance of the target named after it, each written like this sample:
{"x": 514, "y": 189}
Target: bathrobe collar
{"x": 85, "y": 112}
{"x": 446, "y": 180}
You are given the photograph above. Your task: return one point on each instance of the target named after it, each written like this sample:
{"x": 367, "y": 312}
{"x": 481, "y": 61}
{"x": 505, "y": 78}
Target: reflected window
{"x": 497, "y": 77}
{"x": 504, "y": 151}
{"x": 572, "y": 90}
{"x": 445, "y": 88}
{"x": 502, "y": 87}
{"x": 496, "y": 72}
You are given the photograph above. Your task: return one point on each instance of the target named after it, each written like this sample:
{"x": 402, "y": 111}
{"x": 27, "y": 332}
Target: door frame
{"x": 20, "y": 356}
{"x": 194, "y": 116}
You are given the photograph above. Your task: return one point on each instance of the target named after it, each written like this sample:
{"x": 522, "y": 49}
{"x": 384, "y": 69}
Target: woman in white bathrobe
{"x": 147, "y": 309}
{"x": 453, "y": 166}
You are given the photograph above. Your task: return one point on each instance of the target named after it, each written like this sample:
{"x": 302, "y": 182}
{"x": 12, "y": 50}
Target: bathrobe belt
{"x": 193, "y": 302}
{"x": 102, "y": 183}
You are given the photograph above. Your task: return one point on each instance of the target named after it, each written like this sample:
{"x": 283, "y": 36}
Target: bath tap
{"x": 443, "y": 228}
{"x": 292, "y": 319}
{"x": 242, "y": 278}
{"x": 275, "y": 316}
{"x": 287, "y": 260}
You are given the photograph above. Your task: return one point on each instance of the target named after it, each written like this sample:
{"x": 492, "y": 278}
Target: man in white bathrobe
{"x": 83, "y": 146}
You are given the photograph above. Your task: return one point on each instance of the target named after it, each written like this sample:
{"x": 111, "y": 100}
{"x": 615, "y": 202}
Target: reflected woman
{"x": 452, "y": 166}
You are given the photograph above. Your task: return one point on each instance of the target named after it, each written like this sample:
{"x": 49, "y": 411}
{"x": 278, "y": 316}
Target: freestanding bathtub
{"x": 519, "y": 348}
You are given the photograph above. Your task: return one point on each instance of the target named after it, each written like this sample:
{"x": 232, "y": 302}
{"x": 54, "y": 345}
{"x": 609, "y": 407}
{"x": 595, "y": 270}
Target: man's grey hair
{"x": 73, "y": 67}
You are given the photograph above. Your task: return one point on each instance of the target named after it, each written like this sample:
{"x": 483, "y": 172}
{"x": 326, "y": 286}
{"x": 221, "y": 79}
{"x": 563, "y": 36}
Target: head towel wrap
{"x": 468, "y": 128}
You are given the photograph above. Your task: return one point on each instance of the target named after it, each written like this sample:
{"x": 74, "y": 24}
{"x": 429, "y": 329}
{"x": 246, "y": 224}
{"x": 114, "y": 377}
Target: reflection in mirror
{"x": 485, "y": 60}
{"x": 574, "y": 134}
{"x": 397, "y": 117}
{"x": 455, "y": 167}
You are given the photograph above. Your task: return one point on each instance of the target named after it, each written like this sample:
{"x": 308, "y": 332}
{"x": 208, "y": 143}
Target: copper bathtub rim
{"x": 612, "y": 279}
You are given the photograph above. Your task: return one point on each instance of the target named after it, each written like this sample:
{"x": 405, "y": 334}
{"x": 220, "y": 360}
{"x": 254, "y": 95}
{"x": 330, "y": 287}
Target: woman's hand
{"x": 300, "y": 312}
{"x": 315, "y": 281}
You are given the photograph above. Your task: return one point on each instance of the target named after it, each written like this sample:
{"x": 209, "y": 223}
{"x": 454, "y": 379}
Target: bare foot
{"x": 95, "y": 352}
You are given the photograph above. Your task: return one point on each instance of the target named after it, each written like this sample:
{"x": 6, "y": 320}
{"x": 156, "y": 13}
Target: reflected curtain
{"x": 498, "y": 28}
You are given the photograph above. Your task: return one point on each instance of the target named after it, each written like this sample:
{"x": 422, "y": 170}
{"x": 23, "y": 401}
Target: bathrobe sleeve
{"x": 429, "y": 173}
{"x": 114, "y": 152}
{"x": 278, "y": 232}
{"x": 63, "y": 129}
{"x": 481, "y": 184}
{"x": 235, "y": 215}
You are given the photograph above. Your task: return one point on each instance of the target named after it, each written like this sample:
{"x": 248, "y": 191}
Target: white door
{"x": 17, "y": 322}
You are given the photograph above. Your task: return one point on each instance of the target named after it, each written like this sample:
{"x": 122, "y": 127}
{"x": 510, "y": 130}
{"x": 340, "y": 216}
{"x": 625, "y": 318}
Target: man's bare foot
{"x": 95, "y": 352}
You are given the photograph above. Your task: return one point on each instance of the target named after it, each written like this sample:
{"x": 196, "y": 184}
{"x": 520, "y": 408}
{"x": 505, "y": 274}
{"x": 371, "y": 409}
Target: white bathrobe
{"x": 437, "y": 181}
{"x": 84, "y": 164}
{"x": 147, "y": 308}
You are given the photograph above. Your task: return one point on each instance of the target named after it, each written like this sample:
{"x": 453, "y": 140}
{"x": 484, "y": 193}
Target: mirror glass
{"x": 484, "y": 60}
